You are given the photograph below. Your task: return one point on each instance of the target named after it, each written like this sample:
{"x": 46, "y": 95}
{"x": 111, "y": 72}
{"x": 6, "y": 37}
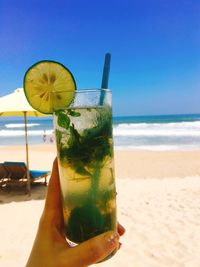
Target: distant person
{"x": 51, "y": 139}
{"x": 44, "y": 137}
{"x": 51, "y": 249}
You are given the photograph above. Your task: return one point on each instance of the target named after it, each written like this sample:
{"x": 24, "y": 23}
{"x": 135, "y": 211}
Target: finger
{"x": 53, "y": 204}
{"x": 93, "y": 250}
{"x": 121, "y": 230}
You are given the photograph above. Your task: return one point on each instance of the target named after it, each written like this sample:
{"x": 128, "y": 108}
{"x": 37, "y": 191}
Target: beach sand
{"x": 158, "y": 203}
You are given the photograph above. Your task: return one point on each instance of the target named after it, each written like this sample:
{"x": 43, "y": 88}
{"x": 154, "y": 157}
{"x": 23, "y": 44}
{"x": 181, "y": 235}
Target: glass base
{"x": 109, "y": 256}
{"x": 72, "y": 244}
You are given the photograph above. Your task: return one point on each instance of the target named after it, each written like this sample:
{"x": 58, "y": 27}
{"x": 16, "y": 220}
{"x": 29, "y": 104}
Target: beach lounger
{"x": 4, "y": 174}
{"x": 18, "y": 172}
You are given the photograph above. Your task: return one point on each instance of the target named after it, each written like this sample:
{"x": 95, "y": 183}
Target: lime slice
{"x": 49, "y": 86}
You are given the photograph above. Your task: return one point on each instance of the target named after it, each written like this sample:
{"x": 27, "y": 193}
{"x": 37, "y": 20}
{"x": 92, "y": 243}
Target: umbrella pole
{"x": 28, "y": 185}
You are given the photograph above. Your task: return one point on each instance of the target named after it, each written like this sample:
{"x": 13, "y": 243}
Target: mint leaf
{"x": 84, "y": 223}
{"x": 63, "y": 120}
{"x": 58, "y": 137}
{"x": 74, "y": 113}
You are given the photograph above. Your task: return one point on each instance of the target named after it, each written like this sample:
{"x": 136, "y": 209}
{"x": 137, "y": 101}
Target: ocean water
{"x": 166, "y": 132}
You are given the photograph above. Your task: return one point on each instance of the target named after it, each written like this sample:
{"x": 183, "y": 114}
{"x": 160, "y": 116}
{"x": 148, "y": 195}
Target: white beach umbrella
{"x": 16, "y": 104}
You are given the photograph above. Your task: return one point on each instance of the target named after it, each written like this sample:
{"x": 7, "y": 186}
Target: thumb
{"x": 94, "y": 250}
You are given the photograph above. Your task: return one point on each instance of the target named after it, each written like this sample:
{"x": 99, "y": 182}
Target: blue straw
{"x": 105, "y": 78}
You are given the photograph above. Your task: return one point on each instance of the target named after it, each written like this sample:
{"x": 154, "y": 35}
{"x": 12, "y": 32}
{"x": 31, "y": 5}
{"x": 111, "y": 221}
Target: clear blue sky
{"x": 155, "y": 48}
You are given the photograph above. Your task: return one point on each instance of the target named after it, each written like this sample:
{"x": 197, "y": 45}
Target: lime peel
{"x": 49, "y": 86}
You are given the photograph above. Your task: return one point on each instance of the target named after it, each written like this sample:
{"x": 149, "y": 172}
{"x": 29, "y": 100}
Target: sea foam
{"x": 12, "y": 133}
{"x": 183, "y": 129}
{"x": 20, "y": 125}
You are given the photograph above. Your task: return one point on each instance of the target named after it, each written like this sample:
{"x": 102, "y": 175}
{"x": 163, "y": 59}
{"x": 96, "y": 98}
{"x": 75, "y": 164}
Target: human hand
{"x": 51, "y": 249}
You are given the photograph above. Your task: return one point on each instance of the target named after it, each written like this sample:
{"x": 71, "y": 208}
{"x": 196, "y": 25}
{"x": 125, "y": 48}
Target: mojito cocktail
{"x": 83, "y": 131}
{"x": 85, "y": 158}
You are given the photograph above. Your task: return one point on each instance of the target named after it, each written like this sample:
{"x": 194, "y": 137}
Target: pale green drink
{"x": 85, "y": 158}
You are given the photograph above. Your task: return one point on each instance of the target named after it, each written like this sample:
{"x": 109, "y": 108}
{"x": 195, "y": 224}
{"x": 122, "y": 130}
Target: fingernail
{"x": 113, "y": 238}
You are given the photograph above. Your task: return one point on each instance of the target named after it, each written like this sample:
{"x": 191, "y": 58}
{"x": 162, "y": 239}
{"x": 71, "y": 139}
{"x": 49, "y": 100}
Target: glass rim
{"x": 93, "y": 97}
{"x": 92, "y": 90}
{"x": 85, "y": 90}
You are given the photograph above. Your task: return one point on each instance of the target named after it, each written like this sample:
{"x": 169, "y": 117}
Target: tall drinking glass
{"x": 85, "y": 159}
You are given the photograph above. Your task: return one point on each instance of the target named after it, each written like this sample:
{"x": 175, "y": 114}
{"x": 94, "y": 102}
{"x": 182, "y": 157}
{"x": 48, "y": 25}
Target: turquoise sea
{"x": 164, "y": 132}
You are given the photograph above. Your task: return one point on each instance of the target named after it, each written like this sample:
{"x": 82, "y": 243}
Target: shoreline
{"x": 156, "y": 148}
{"x": 128, "y": 163}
